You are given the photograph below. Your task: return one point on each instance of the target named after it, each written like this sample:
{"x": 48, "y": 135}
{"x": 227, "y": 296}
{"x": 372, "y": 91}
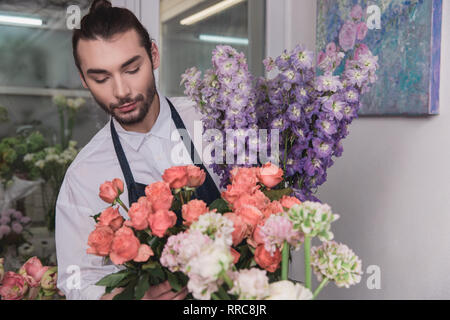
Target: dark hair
{"x": 105, "y": 21}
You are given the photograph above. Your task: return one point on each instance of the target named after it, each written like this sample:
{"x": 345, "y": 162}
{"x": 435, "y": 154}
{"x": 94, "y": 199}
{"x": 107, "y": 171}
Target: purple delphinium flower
{"x": 328, "y": 82}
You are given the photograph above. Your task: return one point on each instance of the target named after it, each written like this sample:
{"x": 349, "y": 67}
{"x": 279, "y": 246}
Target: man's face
{"x": 118, "y": 72}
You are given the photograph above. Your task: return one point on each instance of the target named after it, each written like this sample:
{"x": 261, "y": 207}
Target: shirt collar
{"x": 161, "y": 128}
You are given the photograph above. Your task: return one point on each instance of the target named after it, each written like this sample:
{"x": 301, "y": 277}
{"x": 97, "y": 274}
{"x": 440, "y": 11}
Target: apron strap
{"x": 129, "y": 179}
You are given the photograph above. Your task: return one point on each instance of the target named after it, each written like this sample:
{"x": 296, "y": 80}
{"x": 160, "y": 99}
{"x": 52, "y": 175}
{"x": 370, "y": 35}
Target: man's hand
{"x": 161, "y": 291}
{"x": 164, "y": 291}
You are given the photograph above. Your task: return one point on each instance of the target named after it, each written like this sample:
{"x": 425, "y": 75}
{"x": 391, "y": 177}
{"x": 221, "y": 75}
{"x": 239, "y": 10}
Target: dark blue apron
{"x": 208, "y": 192}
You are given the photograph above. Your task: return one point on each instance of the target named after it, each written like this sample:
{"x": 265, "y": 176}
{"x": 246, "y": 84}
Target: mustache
{"x": 139, "y": 97}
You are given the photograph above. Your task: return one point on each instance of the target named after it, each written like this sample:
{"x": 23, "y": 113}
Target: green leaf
{"x": 150, "y": 265}
{"x": 221, "y": 206}
{"x": 128, "y": 293}
{"x": 96, "y": 217}
{"x": 142, "y": 286}
{"x": 275, "y": 195}
{"x": 173, "y": 280}
{"x": 113, "y": 280}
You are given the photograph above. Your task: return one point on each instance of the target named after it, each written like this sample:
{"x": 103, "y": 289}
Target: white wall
{"x": 391, "y": 187}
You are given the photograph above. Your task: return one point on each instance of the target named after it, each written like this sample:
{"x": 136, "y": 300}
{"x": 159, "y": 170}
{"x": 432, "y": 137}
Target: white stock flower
{"x": 213, "y": 259}
{"x": 216, "y": 226}
{"x": 201, "y": 289}
{"x": 286, "y": 290}
{"x": 251, "y": 284}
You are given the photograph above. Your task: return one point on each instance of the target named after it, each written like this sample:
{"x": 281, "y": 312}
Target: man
{"x": 116, "y": 58}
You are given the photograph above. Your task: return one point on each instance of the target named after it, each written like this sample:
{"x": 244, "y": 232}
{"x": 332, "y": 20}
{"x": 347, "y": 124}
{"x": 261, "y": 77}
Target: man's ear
{"x": 83, "y": 81}
{"x": 155, "y": 56}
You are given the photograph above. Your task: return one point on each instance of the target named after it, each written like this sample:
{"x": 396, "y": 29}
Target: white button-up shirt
{"x": 148, "y": 155}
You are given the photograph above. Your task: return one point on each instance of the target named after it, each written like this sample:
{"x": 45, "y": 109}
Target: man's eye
{"x": 101, "y": 81}
{"x": 133, "y": 71}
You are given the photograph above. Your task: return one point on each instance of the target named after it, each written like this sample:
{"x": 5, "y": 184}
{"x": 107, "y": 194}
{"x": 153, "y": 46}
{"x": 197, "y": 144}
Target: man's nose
{"x": 121, "y": 88}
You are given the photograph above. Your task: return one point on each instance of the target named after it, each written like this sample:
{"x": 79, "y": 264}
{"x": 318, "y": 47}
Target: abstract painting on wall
{"x": 407, "y": 40}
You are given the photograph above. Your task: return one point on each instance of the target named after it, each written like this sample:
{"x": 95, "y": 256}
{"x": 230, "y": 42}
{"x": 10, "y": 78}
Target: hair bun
{"x": 99, "y": 4}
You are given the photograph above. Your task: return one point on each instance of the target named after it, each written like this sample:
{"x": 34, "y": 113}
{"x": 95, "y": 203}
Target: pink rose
{"x": 265, "y": 260}
{"x": 110, "y": 190}
{"x": 258, "y": 199}
{"x": 112, "y": 218}
{"x": 14, "y": 286}
{"x": 288, "y": 202}
{"x": 160, "y": 221}
{"x": 176, "y": 177}
{"x": 240, "y": 228}
{"x": 100, "y": 241}
{"x": 362, "y": 30}
{"x": 125, "y": 246}
{"x": 144, "y": 253}
{"x": 139, "y": 212}
{"x": 196, "y": 176}
{"x": 270, "y": 175}
{"x": 347, "y": 36}
{"x": 357, "y": 12}
{"x": 251, "y": 216}
{"x": 32, "y": 271}
{"x": 160, "y": 195}
{"x": 192, "y": 210}
{"x": 236, "y": 255}
{"x": 273, "y": 208}
{"x": 361, "y": 50}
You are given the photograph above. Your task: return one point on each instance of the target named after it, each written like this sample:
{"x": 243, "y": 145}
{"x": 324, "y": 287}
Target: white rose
{"x": 28, "y": 157}
{"x": 40, "y": 164}
{"x": 286, "y": 290}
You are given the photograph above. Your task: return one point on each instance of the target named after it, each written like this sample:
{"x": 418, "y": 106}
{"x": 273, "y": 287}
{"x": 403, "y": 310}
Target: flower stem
{"x": 121, "y": 203}
{"x": 321, "y": 286}
{"x": 181, "y": 198}
{"x": 227, "y": 280}
{"x": 285, "y": 261}
{"x": 223, "y": 294}
{"x": 214, "y": 296}
{"x": 307, "y": 246}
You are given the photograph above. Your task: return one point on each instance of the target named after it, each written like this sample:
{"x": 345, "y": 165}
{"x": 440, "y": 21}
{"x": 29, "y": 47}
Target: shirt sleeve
{"x": 77, "y": 271}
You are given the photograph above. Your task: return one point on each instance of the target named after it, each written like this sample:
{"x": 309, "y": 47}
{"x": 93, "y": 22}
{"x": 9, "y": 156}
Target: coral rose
{"x": 160, "y": 221}
{"x": 144, "y": 253}
{"x": 192, "y": 210}
{"x": 233, "y": 193}
{"x": 273, "y": 208}
{"x": 110, "y": 190}
{"x": 14, "y": 286}
{"x": 270, "y": 175}
{"x": 240, "y": 228}
{"x": 176, "y": 177}
{"x": 111, "y": 217}
{"x": 258, "y": 199}
{"x": 196, "y": 176}
{"x": 125, "y": 246}
{"x": 288, "y": 202}
{"x": 251, "y": 216}
{"x": 256, "y": 238}
{"x": 246, "y": 178}
{"x": 139, "y": 212}
{"x": 236, "y": 255}
{"x": 160, "y": 195}
{"x": 100, "y": 241}
{"x": 265, "y": 260}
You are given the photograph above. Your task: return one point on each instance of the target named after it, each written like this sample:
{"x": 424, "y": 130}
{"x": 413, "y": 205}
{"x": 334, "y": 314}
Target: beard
{"x": 143, "y": 105}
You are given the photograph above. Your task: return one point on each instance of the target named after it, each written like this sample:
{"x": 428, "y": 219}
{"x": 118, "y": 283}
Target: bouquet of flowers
{"x": 33, "y": 281}
{"x": 306, "y": 113}
{"x": 237, "y": 248}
